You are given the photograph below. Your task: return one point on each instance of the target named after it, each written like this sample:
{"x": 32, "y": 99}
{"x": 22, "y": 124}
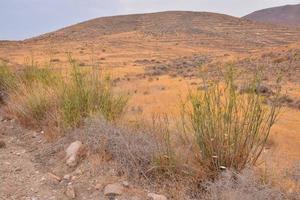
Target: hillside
{"x": 209, "y": 27}
{"x": 120, "y": 40}
{"x": 288, "y": 15}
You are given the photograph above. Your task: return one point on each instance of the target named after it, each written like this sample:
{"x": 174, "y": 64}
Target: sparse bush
{"x": 230, "y": 129}
{"x": 245, "y": 185}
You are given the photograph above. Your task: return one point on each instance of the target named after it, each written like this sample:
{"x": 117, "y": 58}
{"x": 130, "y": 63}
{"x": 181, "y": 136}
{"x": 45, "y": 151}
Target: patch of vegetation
{"x": 42, "y": 95}
{"x": 86, "y": 94}
{"x": 230, "y": 128}
{"x": 32, "y": 105}
{"x": 7, "y": 78}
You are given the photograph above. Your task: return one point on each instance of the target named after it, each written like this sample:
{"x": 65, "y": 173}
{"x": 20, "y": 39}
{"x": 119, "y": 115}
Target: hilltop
{"x": 288, "y": 15}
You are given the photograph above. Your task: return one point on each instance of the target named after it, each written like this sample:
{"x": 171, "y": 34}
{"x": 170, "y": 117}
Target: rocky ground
{"x": 27, "y": 173}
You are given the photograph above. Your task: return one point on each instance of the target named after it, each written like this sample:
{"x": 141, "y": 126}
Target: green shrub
{"x": 32, "y": 73}
{"x": 230, "y": 128}
{"x": 87, "y": 94}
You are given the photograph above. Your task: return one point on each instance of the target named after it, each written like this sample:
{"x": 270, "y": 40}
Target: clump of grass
{"x": 230, "y": 129}
{"x": 44, "y": 95}
{"x": 164, "y": 161}
{"x": 7, "y": 78}
{"x": 32, "y": 105}
{"x": 33, "y": 74}
{"x": 86, "y": 94}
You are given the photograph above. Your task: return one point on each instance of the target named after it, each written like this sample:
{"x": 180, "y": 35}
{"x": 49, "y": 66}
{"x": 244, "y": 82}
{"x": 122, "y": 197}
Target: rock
{"x": 2, "y": 144}
{"x": 73, "y": 178}
{"x": 125, "y": 184}
{"x": 70, "y": 192}
{"x": 78, "y": 172}
{"x": 153, "y": 196}
{"x": 98, "y": 186}
{"x": 72, "y": 153}
{"x": 113, "y": 189}
{"x": 136, "y": 198}
{"x": 54, "y": 177}
{"x": 67, "y": 177}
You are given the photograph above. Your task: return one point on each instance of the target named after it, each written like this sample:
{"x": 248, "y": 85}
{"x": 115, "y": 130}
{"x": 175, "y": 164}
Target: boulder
{"x": 72, "y": 153}
{"x": 114, "y": 189}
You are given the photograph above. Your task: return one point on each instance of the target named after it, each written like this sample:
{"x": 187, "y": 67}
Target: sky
{"x": 22, "y": 19}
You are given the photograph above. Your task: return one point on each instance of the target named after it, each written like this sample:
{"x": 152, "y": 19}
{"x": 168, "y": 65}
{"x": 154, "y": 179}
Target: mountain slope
{"x": 288, "y": 15}
{"x": 174, "y": 24}
{"x": 125, "y": 39}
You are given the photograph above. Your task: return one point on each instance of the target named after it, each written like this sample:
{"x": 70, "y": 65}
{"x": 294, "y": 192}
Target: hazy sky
{"x": 20, "y": 19}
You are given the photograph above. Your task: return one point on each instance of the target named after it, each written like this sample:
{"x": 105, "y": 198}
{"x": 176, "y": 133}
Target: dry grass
{"x": 229, "y": 129}
{"x": 33, "y": 105}
{"x": 7, "y": 79}
{"x": 244, "y": 185}
{"x": 43, "y": 97}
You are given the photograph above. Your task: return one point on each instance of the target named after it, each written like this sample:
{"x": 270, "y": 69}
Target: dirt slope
{"x": 288, "y": 15}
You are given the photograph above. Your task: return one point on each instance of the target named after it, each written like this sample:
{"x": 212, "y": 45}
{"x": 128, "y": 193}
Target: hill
{"x": 288, "y": 15}
{"x": 209, "y": 27}
{"x": 163, "y": 35}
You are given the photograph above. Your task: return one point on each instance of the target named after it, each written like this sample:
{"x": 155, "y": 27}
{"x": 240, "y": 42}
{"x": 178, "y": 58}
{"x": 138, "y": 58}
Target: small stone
{"x": 125, "y": 184}
{"x": 73, "y": 178}
{"x": 153, "y": 196}
{"x": 136, "y": 198}
{"x": 54, "y": 177}
{"x": 70, "y": 192}
{"x": 67, "y": 177}
{"x": 78, "y": 171}
{"x": 2, "y": 144}
{"x": 18, "y": 169}
{"x": 113, "y": 189}
{"x": 72, "y": 153}
{"x": 98, "y": 186}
